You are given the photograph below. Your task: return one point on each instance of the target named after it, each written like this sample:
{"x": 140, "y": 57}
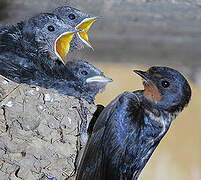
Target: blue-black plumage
{"x": 130, "y": 127}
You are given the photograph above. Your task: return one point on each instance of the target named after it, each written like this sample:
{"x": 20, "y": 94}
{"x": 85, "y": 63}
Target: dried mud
{"x": 39, "y": 132}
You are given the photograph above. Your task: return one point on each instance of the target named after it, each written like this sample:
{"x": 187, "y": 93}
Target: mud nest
{"x": 39, "y": 132}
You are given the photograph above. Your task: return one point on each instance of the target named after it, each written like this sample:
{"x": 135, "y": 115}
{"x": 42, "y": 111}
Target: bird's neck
{"x": 87, "y": 93}
{"x": 155, "y": 110}
{"x": 159, "y": 115}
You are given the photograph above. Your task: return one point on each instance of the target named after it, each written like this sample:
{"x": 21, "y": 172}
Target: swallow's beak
{"x": 143, "y": 74}
{"x": 84, "y": 26}
{"x": 99, "y": 79}
{"x": 62, "y": 45}
{"x": 151, "y": 91}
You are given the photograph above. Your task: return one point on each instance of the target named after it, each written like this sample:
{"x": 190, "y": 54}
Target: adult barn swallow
{"x": 45, "y": 35}
{"x": 80, "y": 21}
{"x": 129, "y": 128}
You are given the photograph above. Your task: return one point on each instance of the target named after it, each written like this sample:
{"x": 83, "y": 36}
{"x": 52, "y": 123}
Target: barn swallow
{"x": 45, "y": 35}
{"x": 89, "y": 80}
{"x": 80, "y": 21}
{"x": 76, "y": 78}
{"x": 129, "y": 128}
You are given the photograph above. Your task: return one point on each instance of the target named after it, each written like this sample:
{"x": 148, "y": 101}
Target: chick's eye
{"x": 71, "y": 16}
{"x": 165, "y": 84}
{"x": 84, "y": 73}
{"x": 51, "y": 28}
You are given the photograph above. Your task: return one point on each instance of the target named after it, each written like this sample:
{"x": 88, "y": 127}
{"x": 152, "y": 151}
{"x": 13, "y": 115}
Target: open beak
{"x": 100, "y": 79}
{"x": 84, "y": 26}
{"x": 62, "y": 45}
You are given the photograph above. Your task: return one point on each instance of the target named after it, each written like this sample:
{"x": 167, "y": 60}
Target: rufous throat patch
{"x": 151, "y": 92}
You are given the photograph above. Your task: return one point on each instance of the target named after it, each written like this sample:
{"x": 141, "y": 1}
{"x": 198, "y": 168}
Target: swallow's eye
{"x": 71, "y": 16}
{"x": 165, "y": 84}
{"x": 84, "y": 73}
{"x": 51, "y": 28}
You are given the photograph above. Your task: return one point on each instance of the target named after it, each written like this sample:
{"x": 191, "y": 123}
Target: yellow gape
{"x": 62, "y": 45}
{"x": 84, "y": 27}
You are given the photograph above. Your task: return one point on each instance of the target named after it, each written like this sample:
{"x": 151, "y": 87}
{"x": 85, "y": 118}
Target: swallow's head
{"x": 166, "y": 87}
{"x": 79, "y": 20}
{"x": 90, "y": 79}
{"x": 51, "y": 33}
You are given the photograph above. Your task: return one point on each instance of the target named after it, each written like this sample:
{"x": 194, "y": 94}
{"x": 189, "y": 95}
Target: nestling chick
{"x": 44, "y": 37}
{"x": 80, "y": 21}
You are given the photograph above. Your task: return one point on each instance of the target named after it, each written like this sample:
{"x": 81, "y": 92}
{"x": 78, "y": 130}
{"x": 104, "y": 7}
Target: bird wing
{"x": 33, "y": 72}
{"x": 102, "y": 155}
{"x": 16, "y": 68}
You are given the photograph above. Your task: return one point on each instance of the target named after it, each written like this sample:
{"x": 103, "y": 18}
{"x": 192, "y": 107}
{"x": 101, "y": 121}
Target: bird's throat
{"x": 151, "y": 92}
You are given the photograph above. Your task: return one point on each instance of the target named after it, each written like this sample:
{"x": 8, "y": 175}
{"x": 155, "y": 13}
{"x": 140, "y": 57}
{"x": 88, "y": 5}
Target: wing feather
{"x": 102, "y": 155}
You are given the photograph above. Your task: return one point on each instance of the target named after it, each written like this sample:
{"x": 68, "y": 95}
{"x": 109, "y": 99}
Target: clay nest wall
{"x": 39, "y": 132}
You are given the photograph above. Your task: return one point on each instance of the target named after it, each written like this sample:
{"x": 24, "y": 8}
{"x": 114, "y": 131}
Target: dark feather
{"x": 103, "y": 156}
{"x": 129, "y": 129}
{"x": 27, "y": 56}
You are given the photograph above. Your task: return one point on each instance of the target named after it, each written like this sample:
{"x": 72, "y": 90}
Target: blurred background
{"x": 136, "y": 34}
